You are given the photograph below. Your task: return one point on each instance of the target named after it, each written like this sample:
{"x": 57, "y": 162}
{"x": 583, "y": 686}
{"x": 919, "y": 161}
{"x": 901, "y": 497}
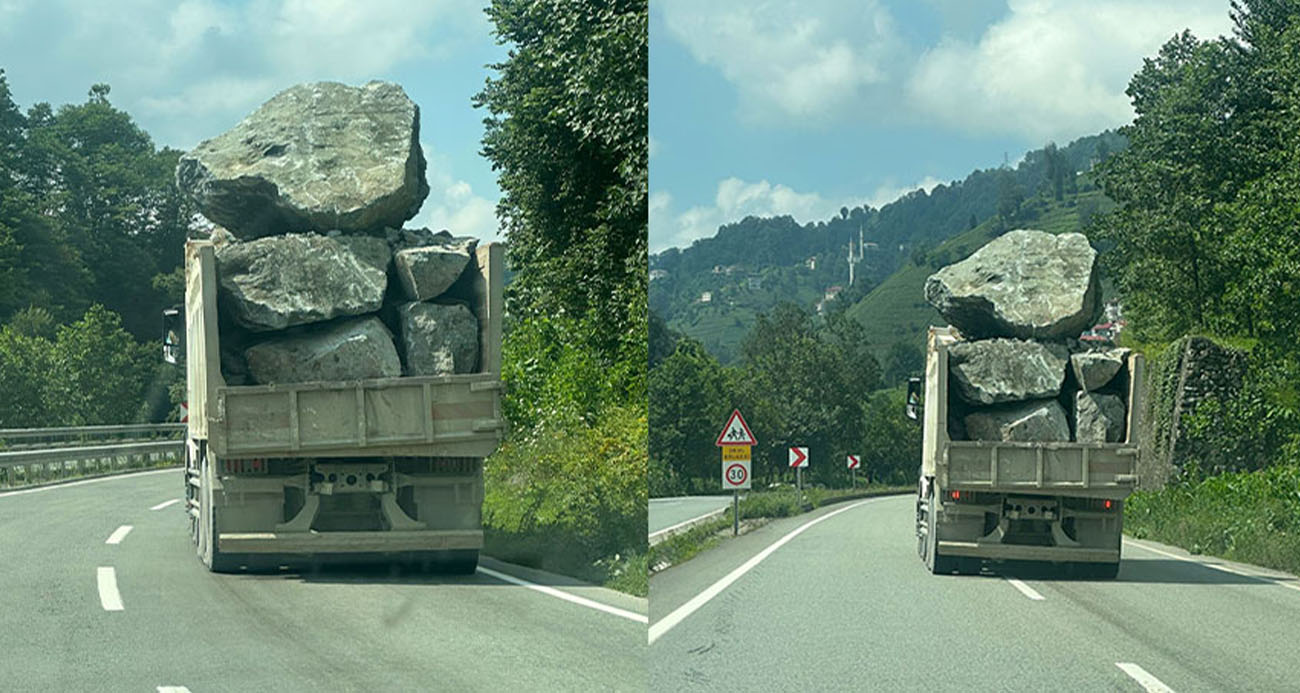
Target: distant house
{"x": 658, "y": 274}
{"x": 706, "y": 297}
{"x": 832, "y": 292}
{"x": 870, "y": 246}
{"x": 811, "y": 263}
{"x": 717, "y": 269}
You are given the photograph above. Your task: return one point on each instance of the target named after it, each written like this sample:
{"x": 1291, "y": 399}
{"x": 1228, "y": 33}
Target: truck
{"x": 1054, "y": 502}
{"x": 336, "y": 471}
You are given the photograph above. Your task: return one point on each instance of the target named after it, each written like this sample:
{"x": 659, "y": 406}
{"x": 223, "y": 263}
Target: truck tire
{"x": 935, "y": 563}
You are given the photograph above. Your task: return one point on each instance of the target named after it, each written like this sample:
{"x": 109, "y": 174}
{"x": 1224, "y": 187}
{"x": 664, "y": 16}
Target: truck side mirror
{"x": 173, "y": 335}
{"x": 914, "y": 398}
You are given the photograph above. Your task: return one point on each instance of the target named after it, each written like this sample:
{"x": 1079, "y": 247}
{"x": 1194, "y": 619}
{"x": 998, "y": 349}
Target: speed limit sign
{"x": 735, "y": 474}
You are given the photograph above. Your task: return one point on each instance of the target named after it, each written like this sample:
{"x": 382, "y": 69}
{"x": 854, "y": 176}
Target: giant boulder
{"x": 438, "y": 339}
{"x": 994, "y": 371}
{"x": 315, "y": 157}
{"x": 295, "y": 279}
{"x": 350, "y": 350}
{"x": 1098, "y": 418}
{"x": 427, "y": 270}
{"x": 1030, "y": 421}
{"x": 1025, "y": 284}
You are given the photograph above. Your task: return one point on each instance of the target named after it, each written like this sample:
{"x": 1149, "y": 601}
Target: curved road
{"x": 845, "y": 604}
{"x": 668, "y": 512}
{"x": 181, "y": 626}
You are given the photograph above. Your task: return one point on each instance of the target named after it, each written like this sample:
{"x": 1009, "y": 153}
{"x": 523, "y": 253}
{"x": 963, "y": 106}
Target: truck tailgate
{"x": 1077, "y": 469}
{"x": 454, "y": 415}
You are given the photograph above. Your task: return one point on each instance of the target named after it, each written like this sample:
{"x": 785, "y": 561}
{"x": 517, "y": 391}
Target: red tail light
{"x": 1107, "y": 504}
{"x": 956, "y": 495}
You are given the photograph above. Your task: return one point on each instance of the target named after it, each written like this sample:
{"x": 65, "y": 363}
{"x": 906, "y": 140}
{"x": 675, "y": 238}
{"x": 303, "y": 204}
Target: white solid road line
{"x": 560, "y": 594}
{"x": 1025, "y": 589}
{"x": 665, "y": 624}
{"x": 109, "y": 597}
{"x": 118, "y": 534}
{"x": 164, "y": 504}
{"x": 96, "y": 480}
{"x": 1216, "y": 566}
{"x": 173, "y": 689}
{"x": 1143, "y": 677}
{"x": 711, "y": 513}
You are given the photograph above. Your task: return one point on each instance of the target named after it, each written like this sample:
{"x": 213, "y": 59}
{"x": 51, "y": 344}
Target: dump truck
{"x": 1056, "y": 502}
{"x": 316, "y": 472}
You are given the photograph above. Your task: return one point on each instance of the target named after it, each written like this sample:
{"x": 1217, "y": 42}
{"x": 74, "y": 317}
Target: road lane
{"x": 666, "y": 512}
{"x": 332, "y": 630}
{"x": 847, "y": 605}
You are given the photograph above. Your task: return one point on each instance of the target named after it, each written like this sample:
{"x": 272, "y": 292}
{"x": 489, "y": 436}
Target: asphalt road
{"x": 666, "y": 512}
{"x": 353, "y": 630}
{"x": 847, "y": 605}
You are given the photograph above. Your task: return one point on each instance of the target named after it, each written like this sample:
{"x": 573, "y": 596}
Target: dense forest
{"x": 753, "y": 264}
{"x": 91, "y": 235}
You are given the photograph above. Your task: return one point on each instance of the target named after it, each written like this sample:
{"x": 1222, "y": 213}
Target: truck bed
{"x": 435, "y": 416}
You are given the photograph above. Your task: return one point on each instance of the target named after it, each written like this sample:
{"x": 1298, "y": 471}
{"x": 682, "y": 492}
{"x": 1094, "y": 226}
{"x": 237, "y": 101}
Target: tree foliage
{"x": 568, "y": 136}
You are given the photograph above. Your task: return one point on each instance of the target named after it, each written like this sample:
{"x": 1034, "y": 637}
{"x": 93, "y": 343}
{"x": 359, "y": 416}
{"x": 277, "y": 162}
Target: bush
{"x": 571, "y": 499}
{"x": 1253, "y": 517}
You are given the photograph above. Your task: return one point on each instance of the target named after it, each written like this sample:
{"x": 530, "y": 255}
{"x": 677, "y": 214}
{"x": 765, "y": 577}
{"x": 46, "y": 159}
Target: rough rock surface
{"x": 350, "y": 350}
{"x": 1031, "y": 421}
{"x": 1098, "y": 418}
{"x": 438, "y": 339}
{"x": 274, "y": 283}
{"x": 1093, "y": 369}
{"x": 315, "y": 157}
{"x": 993, "y": 371}
{"x": 426, "y": 271}
{"x": 1026, "y": 284}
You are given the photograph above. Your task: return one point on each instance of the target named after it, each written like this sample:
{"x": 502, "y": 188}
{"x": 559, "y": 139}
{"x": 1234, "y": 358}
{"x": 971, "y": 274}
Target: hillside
{"x": 896, "y": 310}
{"x": 714, "y": 290}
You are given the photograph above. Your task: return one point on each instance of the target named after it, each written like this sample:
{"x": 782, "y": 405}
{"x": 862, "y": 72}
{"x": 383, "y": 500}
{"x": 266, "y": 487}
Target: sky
{"x": 800, "y": 107}
{"x": 188, "y": 71}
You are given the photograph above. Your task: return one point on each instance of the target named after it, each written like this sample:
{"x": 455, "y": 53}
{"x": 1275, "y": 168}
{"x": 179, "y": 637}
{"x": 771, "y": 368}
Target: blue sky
{"x": 800, "y": 107}
{"x": 190, "y": 70}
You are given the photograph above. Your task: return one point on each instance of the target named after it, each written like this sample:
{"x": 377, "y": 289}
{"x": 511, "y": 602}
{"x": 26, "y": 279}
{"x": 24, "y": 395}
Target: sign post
{"x": 736, "y": 442}
{"x": 853, "y": 462}
{"x": 799, "y": 460}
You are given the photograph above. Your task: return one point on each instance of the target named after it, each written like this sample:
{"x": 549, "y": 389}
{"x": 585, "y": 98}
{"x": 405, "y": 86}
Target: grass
{"x": 1251, "y": 517}
{"x": 755, "y": 509}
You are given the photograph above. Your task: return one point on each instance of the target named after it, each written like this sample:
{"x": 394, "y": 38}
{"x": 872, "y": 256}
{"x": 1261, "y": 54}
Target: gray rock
{"x": 316, "y": 156}
{"x": 1098, "y": 418}
{"x": 1093, "y": 369}
{"x": 1026, "y": 284}
{"x": 427, "y": 270}
{"x": 1031, "y": 421}
{"x": 349, "y": 350}
{"x": 296, "y": 279}
{"x": 438, "y": 339}
{"x": 994, "y": 371}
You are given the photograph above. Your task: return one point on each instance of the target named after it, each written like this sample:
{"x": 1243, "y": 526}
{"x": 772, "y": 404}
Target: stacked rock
{"x": 1020, "y": 302}
{"x": 315, "y": 273}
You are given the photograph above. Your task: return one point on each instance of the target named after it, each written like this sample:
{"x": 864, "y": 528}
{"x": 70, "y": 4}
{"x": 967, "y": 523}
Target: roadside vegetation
{"x": 566, "y": 131}
{"x": 1204, "y": 241}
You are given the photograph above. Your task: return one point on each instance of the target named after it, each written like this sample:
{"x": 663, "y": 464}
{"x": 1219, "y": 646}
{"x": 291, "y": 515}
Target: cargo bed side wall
{"x": 202, "y": 344}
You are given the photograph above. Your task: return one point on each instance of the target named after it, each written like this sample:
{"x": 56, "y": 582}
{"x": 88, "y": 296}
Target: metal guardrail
{"x": 29, "y": 467}
{"x": 27, "y": 438}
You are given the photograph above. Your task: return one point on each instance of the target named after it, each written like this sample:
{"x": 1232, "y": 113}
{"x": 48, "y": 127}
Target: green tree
{"x": 98, "y": 373}
{"x": 567, "y": 135}
{"x": 690, "y": 398}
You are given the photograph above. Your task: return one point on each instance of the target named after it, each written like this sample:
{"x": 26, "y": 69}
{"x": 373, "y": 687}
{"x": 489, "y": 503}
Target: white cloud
{"x": 452, "y": 204}
{"x": 1051, "y": 68}
{"x": 812, "y": 60}
{"x": 888, "y": 192}
{"x": 215, "y": 61}
{"x": 735, "y": 200}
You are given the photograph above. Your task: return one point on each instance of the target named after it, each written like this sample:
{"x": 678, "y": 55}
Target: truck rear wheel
{"x": 935, "y": 563}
